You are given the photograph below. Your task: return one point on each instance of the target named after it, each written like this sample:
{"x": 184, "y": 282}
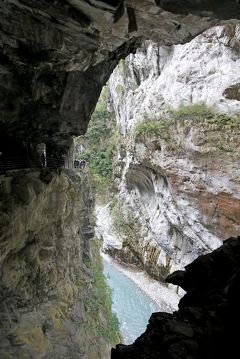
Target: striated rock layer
{"x": 177, "y": 168}
{"x": 45, "y": 278}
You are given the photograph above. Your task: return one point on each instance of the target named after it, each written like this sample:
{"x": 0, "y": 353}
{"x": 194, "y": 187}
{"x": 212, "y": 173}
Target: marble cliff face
{"x": 177, "y": 172}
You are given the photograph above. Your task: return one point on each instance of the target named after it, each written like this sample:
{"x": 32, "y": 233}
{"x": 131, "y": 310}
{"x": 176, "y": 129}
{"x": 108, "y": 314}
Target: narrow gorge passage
{"x": 131, "y": 108}
{"x": 165, "y": 170}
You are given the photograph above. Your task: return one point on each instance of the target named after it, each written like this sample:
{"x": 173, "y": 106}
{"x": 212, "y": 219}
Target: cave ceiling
{"x": 55, "y": 56}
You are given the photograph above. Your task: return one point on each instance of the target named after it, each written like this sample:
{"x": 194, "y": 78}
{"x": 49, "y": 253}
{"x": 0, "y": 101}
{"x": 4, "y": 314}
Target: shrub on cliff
{"x": 98, "y": 305}
{"x": 152, "y": 129}
{"x": 219, "y": 131}
{"x": 100, "y": 142}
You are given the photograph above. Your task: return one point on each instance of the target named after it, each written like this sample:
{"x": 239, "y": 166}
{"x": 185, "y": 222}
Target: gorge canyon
{"x": 177, "y": 165}
{"x": 173, "y": 154}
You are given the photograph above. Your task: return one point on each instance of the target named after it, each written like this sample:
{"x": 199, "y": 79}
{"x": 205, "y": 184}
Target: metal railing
{"x": 18, "y": 163}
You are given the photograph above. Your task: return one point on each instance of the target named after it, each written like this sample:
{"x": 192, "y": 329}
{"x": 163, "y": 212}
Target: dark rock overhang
{"x": 56, "y": 56}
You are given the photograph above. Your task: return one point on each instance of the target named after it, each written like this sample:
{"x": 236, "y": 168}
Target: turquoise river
{"x": 131, "y": 305}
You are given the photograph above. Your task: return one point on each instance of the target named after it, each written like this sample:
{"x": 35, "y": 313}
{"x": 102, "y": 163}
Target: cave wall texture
{"x": 44, "y": 280}
{"x": 54, "y": 59}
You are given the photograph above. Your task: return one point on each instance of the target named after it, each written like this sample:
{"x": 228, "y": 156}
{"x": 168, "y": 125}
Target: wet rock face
{"x": 56, "y": 56}
{"x": 204, "y": 326}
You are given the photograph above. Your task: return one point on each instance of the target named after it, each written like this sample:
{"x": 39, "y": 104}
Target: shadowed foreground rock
{"x": 204, "y": 326}
{"x": 45, "y": 279}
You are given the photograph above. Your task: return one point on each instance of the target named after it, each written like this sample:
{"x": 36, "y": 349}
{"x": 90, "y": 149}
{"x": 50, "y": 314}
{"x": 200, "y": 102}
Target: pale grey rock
{"x": 105, "y": 229}
{"x": 184, "y": 196}
{"x": 159, "y": 78}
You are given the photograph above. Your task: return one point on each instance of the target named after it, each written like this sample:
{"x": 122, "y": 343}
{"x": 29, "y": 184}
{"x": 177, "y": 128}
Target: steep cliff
{"x": 50, "y": 296}
{"x": 177, "y": 169}
{"x": 54, "y": 58}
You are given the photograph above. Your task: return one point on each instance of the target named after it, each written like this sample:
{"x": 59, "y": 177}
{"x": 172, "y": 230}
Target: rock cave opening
{"x": 162, "y": 155}
{"x": 154, "y": 219}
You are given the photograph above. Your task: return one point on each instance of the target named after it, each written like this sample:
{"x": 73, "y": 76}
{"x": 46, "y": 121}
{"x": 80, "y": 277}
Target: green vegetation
{"x": 153, "y": 129}
{"x": 124, "y": 221}
{"x": 122, "y": 67}
{"x": 197, "y": 110}
{"x": 47, "y": 325}
{"x": 98, "y": 134}
{"x": 218, "y": 131}
{"x": 223, "y": 133}
{"x": 120, "y": 89}
{"x": 98, "y": 305}
{"x": 129, "y": 228}
{"x": 100, "y": 142}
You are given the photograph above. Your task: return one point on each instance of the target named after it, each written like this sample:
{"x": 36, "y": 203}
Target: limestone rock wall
{"x": 45, "y": 278}
{"x": 178, "y": 176}
{"x": 159, "y": 78}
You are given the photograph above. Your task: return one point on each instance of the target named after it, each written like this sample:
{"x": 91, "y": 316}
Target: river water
{"x": 131, "y": 305}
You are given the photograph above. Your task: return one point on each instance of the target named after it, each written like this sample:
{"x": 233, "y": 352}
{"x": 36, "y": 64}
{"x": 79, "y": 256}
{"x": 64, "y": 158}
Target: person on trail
{"x": 43, "y": 159}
